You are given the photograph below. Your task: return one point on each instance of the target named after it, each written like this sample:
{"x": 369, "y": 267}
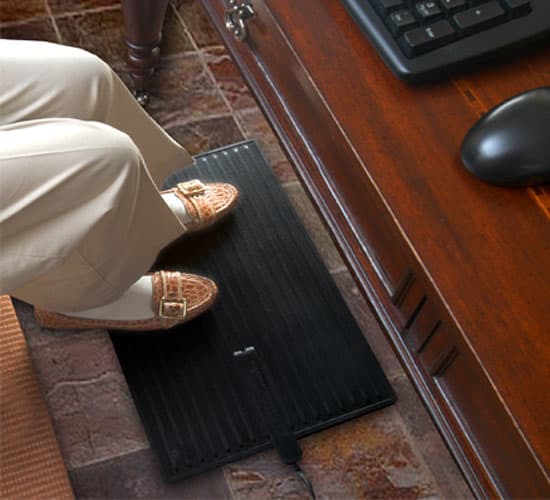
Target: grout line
{"x": 209, "y": 71}
{"x": 400, "y": 375}
{"x": 294, "y": 183}
{"x": 93, "y": 10}
{"x": 52, "y": 17}
{"x": 53, "y": 21}
{"x": 116, "y": 456}
{"x": 225, "y": 474}
{"x": 49, "y": 13}
{"x": 339, "y": 271}
{"x": 183, "y": 123}
{"x": 123, "y": 65}
{"x": 178, "y": 55}
{"x": 213, "y": 47}
{"x": 26, "y": 20}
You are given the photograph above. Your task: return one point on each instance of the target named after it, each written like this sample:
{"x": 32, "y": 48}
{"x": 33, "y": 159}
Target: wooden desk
{"x": 457, "y": 271}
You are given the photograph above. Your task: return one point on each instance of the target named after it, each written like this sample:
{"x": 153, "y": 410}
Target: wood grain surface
{"x": 380, "y": 159}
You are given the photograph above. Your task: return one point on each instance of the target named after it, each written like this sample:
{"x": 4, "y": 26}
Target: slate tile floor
{"x": 200, "y": 99}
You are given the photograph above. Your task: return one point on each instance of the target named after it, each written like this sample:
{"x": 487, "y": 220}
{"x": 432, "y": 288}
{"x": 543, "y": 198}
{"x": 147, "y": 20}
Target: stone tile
{"x": 368, "y": 457}
{"x": 101, "y": 33}
{"x": 137, "y": 475}
{"x": 264, "y": 476}
{"x": 41, "y": 29}
{"x": 210, "y": 485}
{"x": 59, "y": 7}
{"x": 314, "y": 227}
{"x": 87, "y": 396}
{"x": 95, "y": 420}
{"x": 256, "y": 127}
{"x": 181, "y": 92}
{"x": 368, "y": 324}
{"x": 229, "y": 78}
{"x": 202, "y": 136}
{"x": 175, "y": 39}
{"x": 429, "y": 442}
{"x": 17, "y": 10}
{"x": 75, "y": 357}
{"x": 199, "y": 25}
{"x": 284, "y": 172}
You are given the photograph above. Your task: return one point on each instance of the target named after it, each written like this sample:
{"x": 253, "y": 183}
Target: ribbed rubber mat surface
{"x": 198, "y": 402}
{"x": 31, "y": 465}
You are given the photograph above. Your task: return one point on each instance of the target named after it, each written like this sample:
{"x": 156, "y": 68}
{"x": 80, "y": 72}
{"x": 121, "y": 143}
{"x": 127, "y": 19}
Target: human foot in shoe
{"x": 198, "y": 205}
{"x": 155, "y": 302}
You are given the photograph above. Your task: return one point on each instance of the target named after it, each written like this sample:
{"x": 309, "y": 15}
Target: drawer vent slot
{"x": 445, "y": 361}
{"x": 416, "y": 312}
{"x": 409, "y": 303}
{"x": 438, "y": 351}
{"x": 429, "y": 337}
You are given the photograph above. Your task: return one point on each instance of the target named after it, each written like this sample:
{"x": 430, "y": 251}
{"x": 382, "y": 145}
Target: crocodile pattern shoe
{"x": 177, "y": 298}
{"x": 205, "y": 203}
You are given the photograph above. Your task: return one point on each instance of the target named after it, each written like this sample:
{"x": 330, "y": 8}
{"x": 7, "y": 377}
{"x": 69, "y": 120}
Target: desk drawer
{"x": 471, "y": 406}
{"x": 466, "y": 397}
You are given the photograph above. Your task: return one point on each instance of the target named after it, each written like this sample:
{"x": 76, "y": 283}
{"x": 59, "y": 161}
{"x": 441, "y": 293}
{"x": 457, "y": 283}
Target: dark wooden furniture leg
{"x": 143, "y": 21}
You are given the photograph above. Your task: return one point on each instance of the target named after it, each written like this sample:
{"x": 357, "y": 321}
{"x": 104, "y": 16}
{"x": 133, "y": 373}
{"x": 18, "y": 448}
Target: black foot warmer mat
{"x": 278, "y": 357}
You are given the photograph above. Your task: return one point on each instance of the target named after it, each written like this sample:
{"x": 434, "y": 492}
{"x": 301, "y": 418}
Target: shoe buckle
{"x": 172, "y": 309}
{"x": 192, "y": 188}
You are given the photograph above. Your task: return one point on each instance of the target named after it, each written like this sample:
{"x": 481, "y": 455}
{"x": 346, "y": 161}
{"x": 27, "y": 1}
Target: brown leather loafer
{"x": 177, "y": 298}
{"x": 205, "y": 203}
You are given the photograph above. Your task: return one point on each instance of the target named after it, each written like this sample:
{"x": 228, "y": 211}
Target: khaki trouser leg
{"x": 46, "y": 80}
{"x": 81, "y": 219}
{"x": 80, "y": 216}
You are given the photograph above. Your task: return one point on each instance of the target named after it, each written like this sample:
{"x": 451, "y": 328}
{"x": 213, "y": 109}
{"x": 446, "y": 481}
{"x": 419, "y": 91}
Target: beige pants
{"x": 81, "y": 217}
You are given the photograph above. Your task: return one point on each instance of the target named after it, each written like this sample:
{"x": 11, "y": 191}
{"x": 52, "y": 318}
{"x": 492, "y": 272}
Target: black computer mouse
{"x": 510, "y": 145}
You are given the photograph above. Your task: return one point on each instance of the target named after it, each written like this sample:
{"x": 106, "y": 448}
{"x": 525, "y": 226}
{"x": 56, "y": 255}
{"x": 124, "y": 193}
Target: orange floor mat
{"x": 31, "y": 465}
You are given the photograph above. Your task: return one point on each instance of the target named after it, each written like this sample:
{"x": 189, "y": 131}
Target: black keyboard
{"x": 420, "y": 39}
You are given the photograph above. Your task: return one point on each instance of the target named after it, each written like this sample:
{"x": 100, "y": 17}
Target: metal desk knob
{"x": 236, "y": 13}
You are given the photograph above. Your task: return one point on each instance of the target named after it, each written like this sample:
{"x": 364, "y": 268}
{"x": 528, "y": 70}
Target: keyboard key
{"x": 452, "y": 6}
{"x": 478, "y": 18}
{"x": 384, "y": 7}
{"x": 401, "y": 20}
{"x": 419, "y": 40}
{"x": 427, "y": 10}
{"x": 518, "y": 7}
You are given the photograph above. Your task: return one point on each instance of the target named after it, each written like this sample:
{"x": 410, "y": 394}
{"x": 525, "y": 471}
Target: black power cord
{"x": 283, "y": 439}
{"x": 307, "y": 482}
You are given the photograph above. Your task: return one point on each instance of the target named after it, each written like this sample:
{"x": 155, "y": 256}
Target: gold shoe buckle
{"x": 192, "y": 188}
{"x": 172, "y": 309}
